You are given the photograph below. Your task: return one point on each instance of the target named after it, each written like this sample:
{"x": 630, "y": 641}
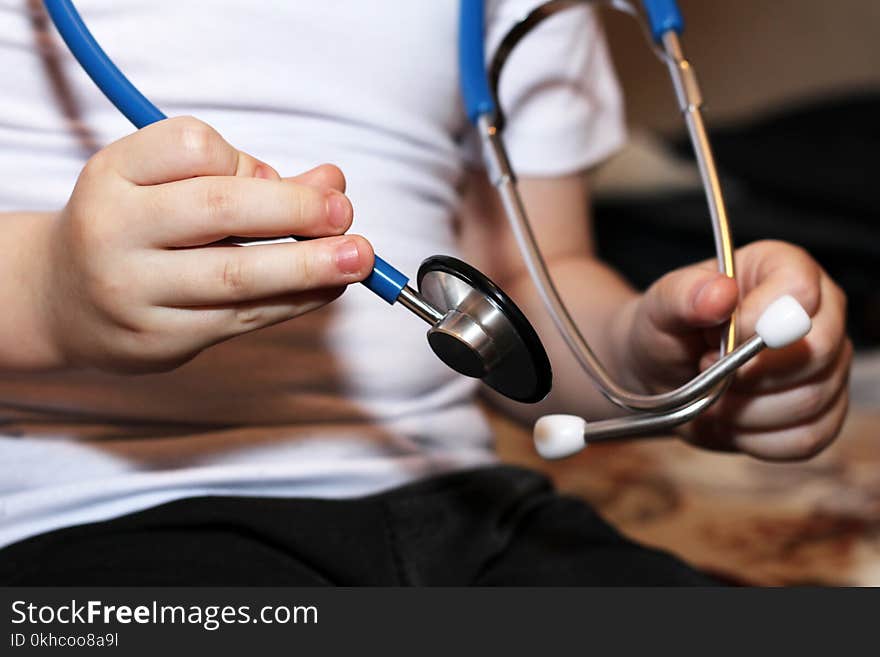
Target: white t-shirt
{"x": 345, "y": 401}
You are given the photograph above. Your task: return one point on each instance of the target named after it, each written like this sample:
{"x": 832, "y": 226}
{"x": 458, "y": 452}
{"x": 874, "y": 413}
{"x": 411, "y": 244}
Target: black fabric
{"x": 491, "y": 526}
{"x": 805, "y": 175}
{"x": 821, "y": 153}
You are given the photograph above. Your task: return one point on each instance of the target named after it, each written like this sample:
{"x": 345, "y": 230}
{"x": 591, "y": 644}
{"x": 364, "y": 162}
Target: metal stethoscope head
{"x": 475, "y": 328}
{"x": 478, "y": 331}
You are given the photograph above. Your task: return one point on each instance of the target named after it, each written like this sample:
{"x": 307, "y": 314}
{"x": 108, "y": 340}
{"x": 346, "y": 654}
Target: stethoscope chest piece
{"x": 482, "y": 333}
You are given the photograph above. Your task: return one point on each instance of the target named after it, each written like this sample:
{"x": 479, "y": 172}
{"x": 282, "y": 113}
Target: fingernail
{"x": 707, "y": 291}
{"x": 705, "y": 288}
{"x": 338, "y": 210}
{"x": 348, "y": 258}
{"x": 265, "y": 172}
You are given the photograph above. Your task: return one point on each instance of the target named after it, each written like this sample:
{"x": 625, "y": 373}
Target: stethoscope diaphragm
{"x": 483, "y": 334}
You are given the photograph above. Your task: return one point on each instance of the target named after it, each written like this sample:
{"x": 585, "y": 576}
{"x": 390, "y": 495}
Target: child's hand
{"x": 129, "y": 283}
{"x": 785, "y": 404}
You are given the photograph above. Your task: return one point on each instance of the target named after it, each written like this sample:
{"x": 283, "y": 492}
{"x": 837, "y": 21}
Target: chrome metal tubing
{"x": 650, "y": 423}
{"x": 690, "y": 102}
{"x": 503, "y": 178}
{"x": 709, "y": 383}
{"x": 419, "y": 306}
{"x": 642, "y": 424}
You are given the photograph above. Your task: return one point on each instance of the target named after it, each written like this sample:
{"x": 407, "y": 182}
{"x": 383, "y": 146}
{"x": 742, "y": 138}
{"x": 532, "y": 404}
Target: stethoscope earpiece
{"x": 783, "y": 322}
{"x": 559, "y": 436}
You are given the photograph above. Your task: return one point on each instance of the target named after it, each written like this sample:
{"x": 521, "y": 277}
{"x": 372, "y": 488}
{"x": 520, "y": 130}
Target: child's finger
{"x": 208, "y": 209}
{"x": 688, "y": 299}
{"x": 677, "y": 308}
{"x": 251, "y": 167}
{"x": 230, "y": 275}
{"x": 784, "y": 368}
{"x": 189, "y": 328}
{"x": 743, "y": 411}
{"x": 220, "y": 322}
{"x": 323, "y": 176}
{"x": 667, "y": 329}
{"x": 174, "y": 149}
{"x": 796, "y": 443}
{"x": 768, "y": 270}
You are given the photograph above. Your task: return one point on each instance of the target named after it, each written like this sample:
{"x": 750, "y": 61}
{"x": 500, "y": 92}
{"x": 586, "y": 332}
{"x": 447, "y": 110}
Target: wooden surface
{"x": 816, "y": 522}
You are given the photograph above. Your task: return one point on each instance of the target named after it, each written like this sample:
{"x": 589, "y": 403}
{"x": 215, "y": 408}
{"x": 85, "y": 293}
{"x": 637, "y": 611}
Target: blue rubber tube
{"x": 474, "y": 81}
{"x": 385, "y": 280}
{"x": 122, "y": 93}
{"x": 664, "y": 16}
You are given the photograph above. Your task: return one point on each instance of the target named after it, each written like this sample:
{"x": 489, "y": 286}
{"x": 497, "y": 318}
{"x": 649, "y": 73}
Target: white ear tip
{"x": 558, "y": 436}
{"x": 784, "y": 322}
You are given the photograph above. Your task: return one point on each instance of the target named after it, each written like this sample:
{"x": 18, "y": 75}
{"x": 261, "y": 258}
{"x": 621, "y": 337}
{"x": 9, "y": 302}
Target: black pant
{"x": 490, "y": 526}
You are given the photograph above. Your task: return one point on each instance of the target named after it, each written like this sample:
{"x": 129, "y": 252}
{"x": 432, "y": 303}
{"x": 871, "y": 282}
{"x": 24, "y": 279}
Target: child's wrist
{"x": 625, "y": 362}
{"x": 47, "y": 320}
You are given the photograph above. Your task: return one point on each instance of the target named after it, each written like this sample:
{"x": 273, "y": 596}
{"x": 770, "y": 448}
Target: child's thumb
{"x": 689, "y": 299}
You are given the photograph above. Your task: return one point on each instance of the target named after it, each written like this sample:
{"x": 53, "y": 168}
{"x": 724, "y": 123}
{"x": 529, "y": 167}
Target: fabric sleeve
{"x": 558, "y": 90}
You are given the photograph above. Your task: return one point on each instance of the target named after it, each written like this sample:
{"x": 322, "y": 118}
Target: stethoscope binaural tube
{"x": 480, "y": 92}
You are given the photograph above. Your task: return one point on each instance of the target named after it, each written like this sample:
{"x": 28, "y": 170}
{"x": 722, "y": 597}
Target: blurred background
{"x": 754, "y": 56}
{"x": 792, "y": 91}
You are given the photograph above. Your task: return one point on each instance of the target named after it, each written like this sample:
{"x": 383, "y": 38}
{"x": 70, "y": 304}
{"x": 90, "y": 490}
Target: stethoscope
{"x": 475, "y": 328}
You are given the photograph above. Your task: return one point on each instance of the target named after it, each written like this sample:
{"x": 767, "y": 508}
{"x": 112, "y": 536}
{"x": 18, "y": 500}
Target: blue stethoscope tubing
{"x": 385, "y": 280}
{"x": 663, "y": 16}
